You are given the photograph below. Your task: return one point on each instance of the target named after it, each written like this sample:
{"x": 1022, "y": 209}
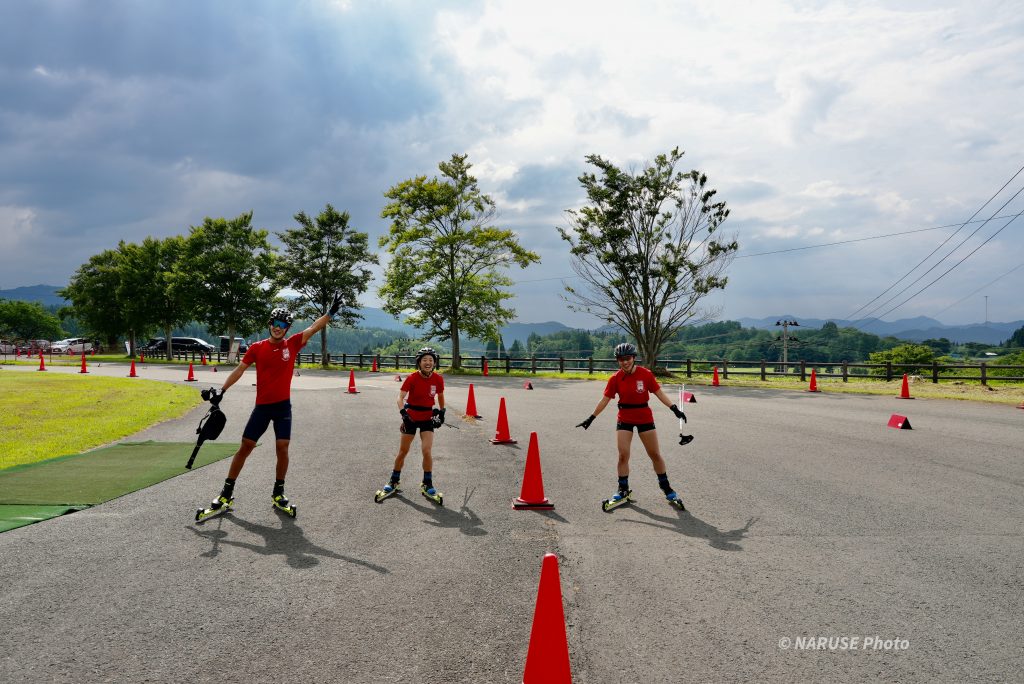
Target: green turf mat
{"x": 97, "y": 476}
{"x": 19, "y": 516}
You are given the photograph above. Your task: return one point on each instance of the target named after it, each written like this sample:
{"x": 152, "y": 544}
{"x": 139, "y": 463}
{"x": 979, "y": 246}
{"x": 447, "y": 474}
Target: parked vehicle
{"x": 36, "y": 346}
{"x": 243, "y": 346}
{"x": 191, "y": 344}
{"x": 73, "y": 345}
{"x": 6, "y": 347}
{"x": 155, "y": 344}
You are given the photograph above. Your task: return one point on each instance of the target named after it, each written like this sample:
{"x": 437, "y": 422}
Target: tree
{"x": 27, "y": 321}
{"x": 93, "y": 292}
{"x": 646, "y": 248}
{"x": 1016, "y": 340}
{"x": 447, "y": 256}
{"x": 226, "y": 269}
{"x": 911, "y": 358}
{"x": 154, "y": 286}
{"x": 320, "y": 258}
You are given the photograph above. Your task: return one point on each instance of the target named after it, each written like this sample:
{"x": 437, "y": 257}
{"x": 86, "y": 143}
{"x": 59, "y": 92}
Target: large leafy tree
{"x": 322, "y": 257}
{"x": 647, "y": 248}
{"x": 226, "y": 269}
{"x": 151, "y": 285}
{"x": 27, "y": 321}
{"x": 93, "y": 291}
{"x": 448, "y": 257}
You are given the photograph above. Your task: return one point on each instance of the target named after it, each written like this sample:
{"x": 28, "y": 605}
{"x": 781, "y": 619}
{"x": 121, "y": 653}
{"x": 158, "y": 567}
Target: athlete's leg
{"x": 650, "y": 441}
{"x": 239, "y": 458}
{"x": 623, "y": 439}
{"x": 427, "y": 445}
{"x": 403, "y": 448}
{"x": 282, "y": 457}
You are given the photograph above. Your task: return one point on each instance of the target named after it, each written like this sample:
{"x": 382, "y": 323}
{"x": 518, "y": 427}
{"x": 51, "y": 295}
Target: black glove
{"x": 586, "y": 424}
{"x": 678, "y": 412}
{"x": 405, "y": 415}
{"x": 438, "y": 417}
{"x": 335, "y": 305}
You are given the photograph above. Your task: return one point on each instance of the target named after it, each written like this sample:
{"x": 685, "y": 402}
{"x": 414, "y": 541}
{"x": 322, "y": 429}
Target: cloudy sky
{"x": 817, "y": 123}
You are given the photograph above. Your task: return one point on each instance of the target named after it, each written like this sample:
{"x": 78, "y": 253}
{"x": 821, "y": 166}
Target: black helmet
{"x": 281, "y": 314}
{"x": 624, "y": 349}
{"x": 427, "y": 351}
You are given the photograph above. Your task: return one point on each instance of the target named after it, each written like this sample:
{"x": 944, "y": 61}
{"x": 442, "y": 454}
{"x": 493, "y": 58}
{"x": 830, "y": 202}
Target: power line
{"x": 978, "y": 290}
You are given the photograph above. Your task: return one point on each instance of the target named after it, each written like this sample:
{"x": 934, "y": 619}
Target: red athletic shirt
{"x": 635, "y": 388}
{"x": 422, "y": 392}
{"x": 274, "y": 366}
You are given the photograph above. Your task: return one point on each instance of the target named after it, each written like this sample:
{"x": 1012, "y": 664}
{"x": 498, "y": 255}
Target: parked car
{"x": 191, "y": 344}
{"x": 155, "y": 344}
{"x": 36, "y": 346}
{"x": 6, "y": 347}
{"x": 73, "y": 345}
{"x": 243, "y": 346}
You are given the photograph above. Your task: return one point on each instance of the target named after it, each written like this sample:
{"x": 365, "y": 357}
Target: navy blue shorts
{"x": 280, "y": 413}
{"x": 628, "y": 427}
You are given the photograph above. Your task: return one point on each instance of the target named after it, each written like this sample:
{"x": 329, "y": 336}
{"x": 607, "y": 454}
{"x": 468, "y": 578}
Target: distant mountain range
{"x": 911, "y": 329}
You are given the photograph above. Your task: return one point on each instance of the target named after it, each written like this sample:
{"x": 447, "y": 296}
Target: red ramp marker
{"x": 688, "y": 398}
{"x": 528, "y": 385}
{"x": 547, "y": 658}
{"x": 899, "y": 422}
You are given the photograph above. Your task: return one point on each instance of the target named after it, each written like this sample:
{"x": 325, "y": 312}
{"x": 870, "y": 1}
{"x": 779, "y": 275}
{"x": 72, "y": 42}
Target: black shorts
{"x": 280, "y": 413}
{"x": 628, "y": 427}
{"x": 410, "y": 427}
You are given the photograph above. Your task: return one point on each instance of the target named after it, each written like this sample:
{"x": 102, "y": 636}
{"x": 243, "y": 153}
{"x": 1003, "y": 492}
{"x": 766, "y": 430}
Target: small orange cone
{"x": 471, "y": 405}
{"x": 42, "y": 363}
{"x": 83, "y": 364}
{"x": 485, "y": 366}
{"x": 531, "y": 494}
{"x": 547, "y": 658}
{"x": 191, "y": 376}
{"x": 714, "y": 380}
{"x": 814, "y": 382}
{"x": 905, "y": 390}
{"x": 202, "y": 359}
{"x": 501, "y": 434}
{"x": 352, "y": 382}
{"x": 142, "y": 358}
{"x": 131, "y": 373}
{"x": 374, "y": 368}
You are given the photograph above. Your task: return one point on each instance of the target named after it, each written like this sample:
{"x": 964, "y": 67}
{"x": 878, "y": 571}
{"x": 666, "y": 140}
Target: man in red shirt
{"x": 416, "y": 405}
{"x": 634, "y": 385}
{"x": 275, "y": 359}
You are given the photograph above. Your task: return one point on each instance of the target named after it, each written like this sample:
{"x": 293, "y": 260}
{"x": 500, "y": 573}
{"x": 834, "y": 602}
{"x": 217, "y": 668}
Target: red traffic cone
{"x": 501, "y": 434}
{"x": 814, "y": 382}
{"x": 191, "y": 375}
{"x": 83, "y": 364}
{"x": 131, "y": 373}
{"x": 202, "y": 359}
{"x": 528, "y": 385}
{"x": 714, "y": 380}
{"x": 471, "y": 405}
{"x": 899, "y": 422}
{"x": 485, "y": 366}
{"x": 352, "y": 382}
{"x": 905, "y": 390}
{"x": 42, "y": 363}
{"x": 374, "y": 368}
{"x": 531, "y": 494}
{"x": 142, "y": 358}
{"x": 547, "y": 658}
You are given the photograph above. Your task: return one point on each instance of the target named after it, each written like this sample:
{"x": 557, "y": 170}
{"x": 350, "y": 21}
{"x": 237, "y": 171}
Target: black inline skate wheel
{"x": 295, "y": 512}
{"x": 605, "y": 507}
{"x": 199, "y": 512}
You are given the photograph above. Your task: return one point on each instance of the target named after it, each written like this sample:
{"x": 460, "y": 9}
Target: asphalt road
{"x": 808, "y": 519}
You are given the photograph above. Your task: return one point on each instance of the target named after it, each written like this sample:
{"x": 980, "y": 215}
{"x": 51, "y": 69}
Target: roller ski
{"x": 281, "y": 503}
{"x": 432, "y": 494}
{"x": 675, "y": 500}
{"x": 620, "y": 498}
{"x": 388, "y": 491}
{"x": 221, "y": 504}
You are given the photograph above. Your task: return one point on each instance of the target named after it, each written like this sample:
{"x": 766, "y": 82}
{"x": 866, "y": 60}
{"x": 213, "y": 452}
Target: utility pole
{"x": 986, "y": 310}
{"x": 785, "y": 342}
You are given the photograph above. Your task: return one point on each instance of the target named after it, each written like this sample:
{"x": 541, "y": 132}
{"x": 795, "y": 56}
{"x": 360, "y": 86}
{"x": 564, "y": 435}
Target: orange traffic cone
{"x": 814, "y": 382}
{"x": 714, "y": 380}
{"x": 531, "y": 494}
{"x": 42, "y": 363}
{"x": 352, "y": 382}
{"x": 142, "y": 358}
{"x": 905, "y": 390}
{"x": 131, "y": 374}
{"x": 374, "y": 368}
{"x": 191, "y": 376}
{"x": 202, "y": 359}
{"x": 471, "y": 405}
{"x": 83, "y": 364}
{"x": 547, "y": 658}
{"x": 485, "y": 366}
{"x": 501, "y": 434}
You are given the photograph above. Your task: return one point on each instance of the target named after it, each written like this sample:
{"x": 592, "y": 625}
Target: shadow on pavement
{"x": 287, "y": 540}
{"x": 686, "y": 523}
{"x": 464, "y": 519}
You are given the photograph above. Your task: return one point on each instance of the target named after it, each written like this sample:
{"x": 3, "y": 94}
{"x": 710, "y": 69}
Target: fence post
{"x": 591, "y": 371}
{"x": 689, "y": 369}
{"x": 935, "y": 372}
{"x": 483, "y": 360}
{"x": 533, "y": 364}
{"x": 762, "y": 371}
{"x": 888, "y": 371}
{"x": 846, "y": 375}
{"x": 803, "y": 371}
{"x": 508, "y": 364}
{"x": 561, "y": 363}
{"x": 984, "y": 373}
{"x": 725, "y": 369}
{"x": 360, "y": 359}
{"x": 398, "y": 366}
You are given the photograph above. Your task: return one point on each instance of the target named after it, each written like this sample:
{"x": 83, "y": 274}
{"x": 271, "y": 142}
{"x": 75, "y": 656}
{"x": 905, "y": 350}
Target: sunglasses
{"x": 280, "y": 324}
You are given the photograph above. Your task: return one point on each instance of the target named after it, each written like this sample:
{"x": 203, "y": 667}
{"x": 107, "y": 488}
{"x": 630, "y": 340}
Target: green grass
{"x": 45, "y": 415}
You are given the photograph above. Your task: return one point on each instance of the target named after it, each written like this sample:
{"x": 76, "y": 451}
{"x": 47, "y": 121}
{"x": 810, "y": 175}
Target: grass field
{"x": 46, "y": 415}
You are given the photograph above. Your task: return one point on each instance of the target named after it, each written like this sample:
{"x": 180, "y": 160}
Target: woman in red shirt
{"x": 416, "y": 405}
{"x": 634, "y": 385}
